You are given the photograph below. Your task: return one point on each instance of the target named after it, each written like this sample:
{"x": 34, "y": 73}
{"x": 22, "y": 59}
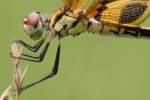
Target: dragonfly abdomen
{"x": 116, "y": 29}
{"x": 124, "y": 31}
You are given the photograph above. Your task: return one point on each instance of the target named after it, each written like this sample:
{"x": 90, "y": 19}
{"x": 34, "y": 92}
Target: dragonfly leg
{"x": 34, "y": 48}
{"x": 33, "y": 58}
{"x": 51, "y": 74}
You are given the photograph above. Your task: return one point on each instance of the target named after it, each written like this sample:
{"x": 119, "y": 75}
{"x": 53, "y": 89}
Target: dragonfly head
{"x": 34, "y": 25}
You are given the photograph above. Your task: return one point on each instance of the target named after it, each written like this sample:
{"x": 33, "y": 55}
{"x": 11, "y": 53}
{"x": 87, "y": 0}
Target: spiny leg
{"x": 34, "y": 48}
{"x": 42, "y": 54}
{"x": 51, "y": 74}
{"x": 33, "y": 58}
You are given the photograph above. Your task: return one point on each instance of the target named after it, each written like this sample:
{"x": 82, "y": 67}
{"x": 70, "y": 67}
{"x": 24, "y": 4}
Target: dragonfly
{"x": 116, "y": 17}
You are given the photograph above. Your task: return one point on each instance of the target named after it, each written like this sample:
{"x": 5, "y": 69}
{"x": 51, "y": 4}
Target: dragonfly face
{"x": 33, "y": 25}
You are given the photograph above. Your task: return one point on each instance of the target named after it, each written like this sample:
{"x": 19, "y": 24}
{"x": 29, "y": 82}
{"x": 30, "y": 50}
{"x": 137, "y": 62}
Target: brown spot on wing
{"x": 132, "y": 12}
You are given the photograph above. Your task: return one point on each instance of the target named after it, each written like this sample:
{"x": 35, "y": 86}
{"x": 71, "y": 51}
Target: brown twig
{"x": 18, "y": 75}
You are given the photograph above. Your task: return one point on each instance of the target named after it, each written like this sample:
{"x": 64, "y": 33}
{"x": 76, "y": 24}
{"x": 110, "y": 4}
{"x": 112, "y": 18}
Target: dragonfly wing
{"x": 67, "y": 2}
{"x": 75, "y": 4}
{"x": 74, "y": 7}
{"x": 71, "y": 8}
{"x": 96, "y": 7}
{"x": 126, "y": 12}
{"x": 117, "y": 15}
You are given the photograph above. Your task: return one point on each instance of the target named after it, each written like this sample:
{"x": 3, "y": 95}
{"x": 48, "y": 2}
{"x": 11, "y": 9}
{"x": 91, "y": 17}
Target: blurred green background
{"x": 92, "y": 67}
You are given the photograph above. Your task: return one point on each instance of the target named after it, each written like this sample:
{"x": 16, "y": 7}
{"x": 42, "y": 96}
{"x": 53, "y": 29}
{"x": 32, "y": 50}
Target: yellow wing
{"x": 96, "y": 8}
{"x": 74, "y": 7}
{"x": 126, "y": 12}
{"x": 92, "y": 11}
{"x": 118, "y": 15}
{"x": 67, "y": 3}
{"x": 122, "y": 12}
{"x": 71, "y": 8}
{"x": 74, "y": 4}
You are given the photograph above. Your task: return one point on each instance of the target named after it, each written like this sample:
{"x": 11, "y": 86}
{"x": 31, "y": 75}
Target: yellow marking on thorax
{"x": 55, "y": 15}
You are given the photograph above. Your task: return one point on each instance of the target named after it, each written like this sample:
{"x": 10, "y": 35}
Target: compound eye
{"x": 33, "y": 25}
{"x": 32, "y": 20}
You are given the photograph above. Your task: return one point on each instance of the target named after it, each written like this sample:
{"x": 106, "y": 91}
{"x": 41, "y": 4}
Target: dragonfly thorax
{"x": 64, "y": 24}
